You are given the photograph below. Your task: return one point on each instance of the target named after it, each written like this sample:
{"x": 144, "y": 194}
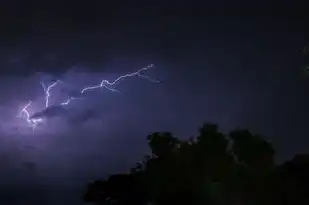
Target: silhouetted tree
{"x": 255, "y": 158}
{"x": 118, "y": 189}
{"x": 292, "y": 181}
{"x": 213, "y": 168}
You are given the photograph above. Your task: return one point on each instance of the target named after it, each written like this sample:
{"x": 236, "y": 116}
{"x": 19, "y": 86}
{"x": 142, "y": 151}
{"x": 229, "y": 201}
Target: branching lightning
{"x": 47, "y": 91}
{"x": 104, "y": 84}
{"x": 32, "y": 122}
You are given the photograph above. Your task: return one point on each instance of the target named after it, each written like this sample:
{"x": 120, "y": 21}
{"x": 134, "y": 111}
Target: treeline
{"x": 213, "y": 168}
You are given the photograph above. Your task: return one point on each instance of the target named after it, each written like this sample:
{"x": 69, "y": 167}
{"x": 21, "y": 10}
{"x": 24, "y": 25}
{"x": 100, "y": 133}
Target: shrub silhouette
{"x": 212, "y": 168}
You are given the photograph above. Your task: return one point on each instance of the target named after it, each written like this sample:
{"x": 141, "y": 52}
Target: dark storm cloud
{"x": 216, "y": 69}
{"x": 74, "y": 93}
{"x": 46, "y": 52}
{"x": 46, "y": 39}
{"x": 36, "y": 60}
{"x": 84, "y": 116}
{"x": 54, "y": 37}
{"x": 30, "y": 166}
{"x": 50, "y": 112}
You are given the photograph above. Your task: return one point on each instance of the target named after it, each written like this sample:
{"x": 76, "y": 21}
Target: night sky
{"x": 228, "y": 62}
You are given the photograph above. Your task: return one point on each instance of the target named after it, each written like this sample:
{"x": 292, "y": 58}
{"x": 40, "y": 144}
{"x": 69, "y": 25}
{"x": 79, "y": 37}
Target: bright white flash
{"x": 104, "y": 84}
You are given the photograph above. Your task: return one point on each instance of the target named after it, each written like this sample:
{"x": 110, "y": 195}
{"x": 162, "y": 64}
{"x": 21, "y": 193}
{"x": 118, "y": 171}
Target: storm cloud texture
{"x": 235, "y": 65}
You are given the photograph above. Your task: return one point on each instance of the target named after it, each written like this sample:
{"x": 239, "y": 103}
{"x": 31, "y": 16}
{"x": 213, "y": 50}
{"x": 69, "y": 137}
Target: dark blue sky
{"x": 227, "y": 62}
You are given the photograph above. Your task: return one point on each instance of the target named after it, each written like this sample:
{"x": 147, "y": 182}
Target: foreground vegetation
{"x": 212, "y": 168}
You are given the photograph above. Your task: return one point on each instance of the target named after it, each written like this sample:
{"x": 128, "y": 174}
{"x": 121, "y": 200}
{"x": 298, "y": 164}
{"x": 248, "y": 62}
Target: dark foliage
{"x": 212, "y": 168}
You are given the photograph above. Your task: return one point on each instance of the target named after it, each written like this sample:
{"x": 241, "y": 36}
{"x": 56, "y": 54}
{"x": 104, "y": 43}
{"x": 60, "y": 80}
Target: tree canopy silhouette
{"x": 212, "y": 168}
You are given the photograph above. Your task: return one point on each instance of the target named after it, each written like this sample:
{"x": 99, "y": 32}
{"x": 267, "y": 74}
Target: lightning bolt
{"x": 25, "y": 112}
{"x": 109, "y": 85}
{"x": 104, "y": 84}
{"x": 47, "y": 91}
{"x": 32, "y": 122}
{"x": 68, "y": 101}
